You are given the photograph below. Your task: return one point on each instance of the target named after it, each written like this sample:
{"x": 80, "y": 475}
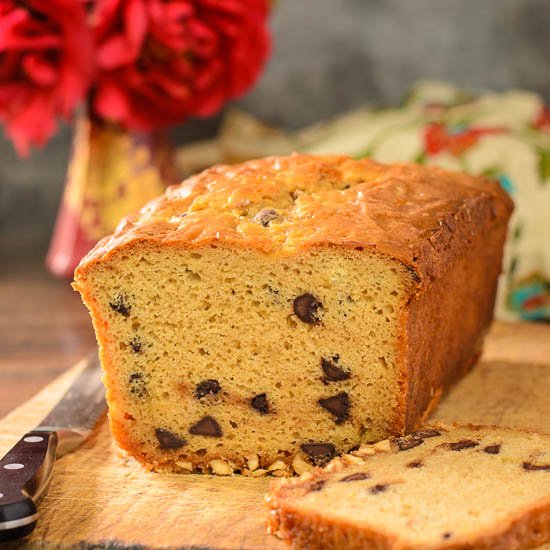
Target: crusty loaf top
{"x": 285, "y": 205}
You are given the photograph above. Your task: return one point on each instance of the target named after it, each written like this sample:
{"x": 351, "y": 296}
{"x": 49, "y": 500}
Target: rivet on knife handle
{"x": 25, "y": 473}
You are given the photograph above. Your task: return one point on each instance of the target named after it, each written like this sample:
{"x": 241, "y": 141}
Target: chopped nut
{"x": 278, "y": 465}
{"x": 184, "y": 465}
{"x": 221, "y": 468}
{"x": 258, "y": 473}
{"x": 352, "y": 459}
{"x": 300, "y": 465}
{"x": 253, "y": 462}
{"x": 336, "y": 465}
{"x": 382, "y": 446}
{"x": 365, "y": 450}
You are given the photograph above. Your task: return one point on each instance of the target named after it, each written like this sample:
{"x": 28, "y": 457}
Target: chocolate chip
{"x": 316, "y": 486}
{"x": 380, "y": 488}
{"x": 337, "y": 405}
{"x": 446, "y": 535}
{"x": 206, "y": 387}
{"x": 206, "y": 426}
{"x": 425, "y": 434}
{"x": 333, "y": 372}
{"x": 413, "y": 273}
{"x": 259, "y": 402}
{"x": 120, "y": 305}
{"x": 415, "y": 464}
{"x": 530, "y": 467}
{"x": 463, "y": 444}
{"x": 415, "y": 438}
{"x": 320, "y": 453}
{"x": 168, "y": 439}
{"x": 265, "y": 216}
{"x": 359, "y": 476}
{"x": 137, "y": 384}
{"x": 408, "y": 442}
{"x": 135, "y": 344}
{"x": 305, "y": 307}
{"x": 492, "y": 449}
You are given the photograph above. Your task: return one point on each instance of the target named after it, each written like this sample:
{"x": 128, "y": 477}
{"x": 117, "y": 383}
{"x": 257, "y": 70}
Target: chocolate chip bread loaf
{"x": 467, "y": 487}
{"x": 264, "y": 316}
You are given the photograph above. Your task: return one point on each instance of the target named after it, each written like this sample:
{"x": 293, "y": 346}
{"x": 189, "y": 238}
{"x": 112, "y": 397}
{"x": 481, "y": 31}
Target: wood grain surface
{"x": 44, "y": 329}
{"x": 101, "y": 499}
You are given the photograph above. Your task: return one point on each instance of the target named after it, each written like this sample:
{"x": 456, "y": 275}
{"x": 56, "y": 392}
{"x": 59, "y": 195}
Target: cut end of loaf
{"x": 225, "y": 360}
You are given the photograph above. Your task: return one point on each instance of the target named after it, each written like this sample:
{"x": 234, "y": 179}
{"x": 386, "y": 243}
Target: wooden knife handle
{"x": 25, "y": 473}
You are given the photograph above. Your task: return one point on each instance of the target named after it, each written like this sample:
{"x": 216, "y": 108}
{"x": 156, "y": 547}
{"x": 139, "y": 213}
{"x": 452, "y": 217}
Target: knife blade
{"x": 26, "y": 470}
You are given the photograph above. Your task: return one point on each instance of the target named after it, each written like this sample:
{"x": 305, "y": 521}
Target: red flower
{"x": 542, "y": 121}
{"x": 160, "y": 62}
{"x": 456, "y": 140}
{"x": 45, "y": 66}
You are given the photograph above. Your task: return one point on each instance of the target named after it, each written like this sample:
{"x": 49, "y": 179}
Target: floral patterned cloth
{"x": 505, "y": 136}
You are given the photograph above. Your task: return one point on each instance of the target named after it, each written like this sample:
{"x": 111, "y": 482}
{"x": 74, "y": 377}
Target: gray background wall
{"x": 329, "y": 56}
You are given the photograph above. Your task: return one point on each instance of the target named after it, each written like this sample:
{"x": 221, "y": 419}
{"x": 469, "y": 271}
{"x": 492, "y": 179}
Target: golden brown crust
{"x": 445, "y": 328}
{"x": 529, "y": 530}
{"x": 439, "y": 224}
{"x": 406, "y": 211}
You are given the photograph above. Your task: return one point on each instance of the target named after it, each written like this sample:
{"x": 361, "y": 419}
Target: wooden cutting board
{"x": 99, "y": 498}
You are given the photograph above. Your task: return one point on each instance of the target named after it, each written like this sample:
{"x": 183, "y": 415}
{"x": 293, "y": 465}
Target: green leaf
{"x": 544, "y": 166}
{"x": 518, "y": 231}
{"x": 490, "y": 172}
{"x": 420, "y": 158}
{"x": 367, "y": 153}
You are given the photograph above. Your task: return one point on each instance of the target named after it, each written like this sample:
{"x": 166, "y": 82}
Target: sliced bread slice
{"x": 454, "y": 487}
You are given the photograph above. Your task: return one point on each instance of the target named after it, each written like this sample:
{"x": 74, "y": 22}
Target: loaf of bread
{"x": 263, "y": 316}
{"x": 466, "y": 487}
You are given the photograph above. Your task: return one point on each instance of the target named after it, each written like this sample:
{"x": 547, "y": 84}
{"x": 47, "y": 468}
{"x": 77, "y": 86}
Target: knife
{"x": 26, "y": 471}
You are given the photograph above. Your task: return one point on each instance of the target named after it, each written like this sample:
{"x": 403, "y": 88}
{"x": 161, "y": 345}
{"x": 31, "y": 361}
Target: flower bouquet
{"x": 125, "y": 70}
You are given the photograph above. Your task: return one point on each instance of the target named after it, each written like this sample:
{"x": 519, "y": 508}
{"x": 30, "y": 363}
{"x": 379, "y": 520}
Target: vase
{"x": 111, "y": 173}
